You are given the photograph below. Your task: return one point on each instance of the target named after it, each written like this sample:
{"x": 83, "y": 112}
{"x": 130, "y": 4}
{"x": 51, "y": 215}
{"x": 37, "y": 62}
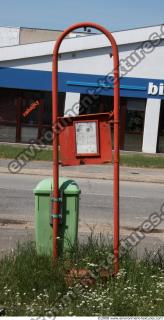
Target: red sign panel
{"x": 85, "y": 139}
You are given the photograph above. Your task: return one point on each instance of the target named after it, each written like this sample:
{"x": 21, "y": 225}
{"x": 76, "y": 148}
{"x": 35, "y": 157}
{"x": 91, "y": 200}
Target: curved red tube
{"x": 116, "y": 133}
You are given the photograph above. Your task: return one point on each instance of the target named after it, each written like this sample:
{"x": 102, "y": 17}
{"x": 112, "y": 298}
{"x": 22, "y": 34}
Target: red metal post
{"x": 18, "y": 119}
{"x": 116, "y": 134}
{"x": 40, "y": 117}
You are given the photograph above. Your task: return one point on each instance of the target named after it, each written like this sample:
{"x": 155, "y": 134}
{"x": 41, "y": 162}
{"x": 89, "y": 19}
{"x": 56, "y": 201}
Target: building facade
{"x": 85, "y": 83}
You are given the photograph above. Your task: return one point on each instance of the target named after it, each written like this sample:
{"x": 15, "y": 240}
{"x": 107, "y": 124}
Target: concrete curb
{"x": 83, "y": 175}
{"x": 137, "y": 178}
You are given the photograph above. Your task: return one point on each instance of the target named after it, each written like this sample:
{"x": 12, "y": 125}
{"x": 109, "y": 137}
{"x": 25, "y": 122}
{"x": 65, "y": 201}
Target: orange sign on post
{"x": 93, "y": 148}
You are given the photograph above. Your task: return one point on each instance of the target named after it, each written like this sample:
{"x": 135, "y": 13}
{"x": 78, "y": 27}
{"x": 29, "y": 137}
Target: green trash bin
{"x": 69, "y": 211}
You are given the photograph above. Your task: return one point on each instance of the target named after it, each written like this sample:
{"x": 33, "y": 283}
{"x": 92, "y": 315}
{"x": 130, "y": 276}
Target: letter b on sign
{"x": 153, "y": 89}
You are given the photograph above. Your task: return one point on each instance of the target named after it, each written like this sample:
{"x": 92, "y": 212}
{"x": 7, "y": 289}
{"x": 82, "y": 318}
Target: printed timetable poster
{"x": 86, "y": 137}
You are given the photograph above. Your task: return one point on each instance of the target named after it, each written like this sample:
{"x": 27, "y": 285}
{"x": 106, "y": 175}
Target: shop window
{"x": 90, "y": 104}
{"x": 160, "y": 147}
{"x": 7, "y": 115}
{"x": 7, "y": 106}
{"x": 14, "y": 126}
{"x": 47, "y": 116}
{"x": 135, "y": 116}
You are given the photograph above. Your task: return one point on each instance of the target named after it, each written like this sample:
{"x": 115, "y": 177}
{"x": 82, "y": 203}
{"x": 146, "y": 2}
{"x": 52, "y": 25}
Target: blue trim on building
{"x": 25, "y": 79}
{"x": 72, "y": 82}
{"x": 105, "y": 85}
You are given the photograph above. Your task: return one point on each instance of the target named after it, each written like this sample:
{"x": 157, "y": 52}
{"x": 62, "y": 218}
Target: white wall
{"x": 9, "y": 36}
{"x": 72, "y": 102}
{"x": 95, "y": 61}
{"x": 88, "y": 54}
{"x": 151, "y": 125}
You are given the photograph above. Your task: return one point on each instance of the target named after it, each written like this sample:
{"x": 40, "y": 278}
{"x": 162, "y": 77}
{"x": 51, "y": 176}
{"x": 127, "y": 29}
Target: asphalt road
{"x": 137, "y": 202}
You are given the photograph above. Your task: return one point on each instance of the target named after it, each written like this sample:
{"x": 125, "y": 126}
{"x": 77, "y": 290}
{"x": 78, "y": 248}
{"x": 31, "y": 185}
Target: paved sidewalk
{"x": 105, "y": 172}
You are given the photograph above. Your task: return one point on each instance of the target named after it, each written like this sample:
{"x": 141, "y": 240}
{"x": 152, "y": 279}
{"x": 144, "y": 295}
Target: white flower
{"x": 92, "y": 264}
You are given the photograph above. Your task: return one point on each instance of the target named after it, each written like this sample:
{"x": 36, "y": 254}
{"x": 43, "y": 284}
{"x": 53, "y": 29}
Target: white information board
{"x": 86, "y": 137}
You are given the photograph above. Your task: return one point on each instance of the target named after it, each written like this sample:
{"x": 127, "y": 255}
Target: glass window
{"x": 135, "y": 117}
{"x": 90, "y": 104}
{"x": 161, "y": 129}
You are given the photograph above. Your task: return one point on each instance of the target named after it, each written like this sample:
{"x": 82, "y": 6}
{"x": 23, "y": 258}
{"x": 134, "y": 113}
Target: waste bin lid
{"x": 66, "y": 185}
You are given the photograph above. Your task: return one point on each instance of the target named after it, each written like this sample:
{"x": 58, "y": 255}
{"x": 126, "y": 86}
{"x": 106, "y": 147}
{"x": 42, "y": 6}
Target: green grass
{"x": 129, "y": 160}
{"x": 142, "y": 161}
{"x": 9, "y": 152}
{"x": 32, "y": 285}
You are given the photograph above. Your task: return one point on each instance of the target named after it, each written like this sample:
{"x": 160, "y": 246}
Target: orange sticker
{"x": 32, "y": 107}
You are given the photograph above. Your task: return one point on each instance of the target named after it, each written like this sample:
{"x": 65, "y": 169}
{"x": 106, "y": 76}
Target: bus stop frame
{"x": 55, "y": 135}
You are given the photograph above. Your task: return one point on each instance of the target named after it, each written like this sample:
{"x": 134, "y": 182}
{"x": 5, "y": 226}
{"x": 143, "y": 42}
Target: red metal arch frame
{"x": 116, "y": 134}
